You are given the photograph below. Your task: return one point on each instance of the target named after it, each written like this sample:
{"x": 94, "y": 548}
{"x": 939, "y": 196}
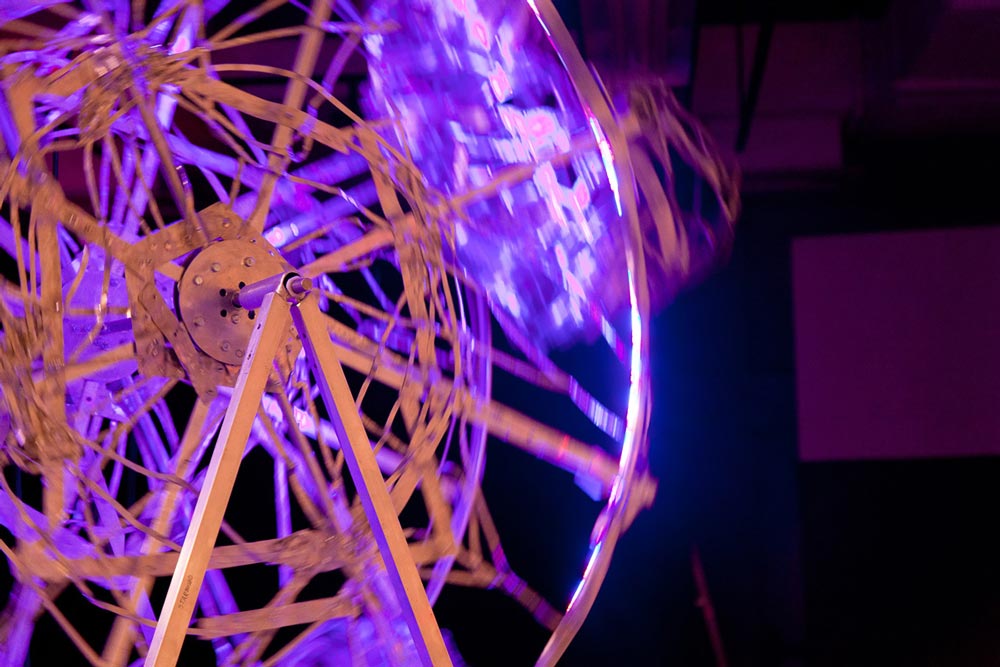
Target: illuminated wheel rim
{"x": 121, "y": 339}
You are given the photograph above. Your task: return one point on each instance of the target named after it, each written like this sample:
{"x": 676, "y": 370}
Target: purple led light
{"x": 544, "y": 244}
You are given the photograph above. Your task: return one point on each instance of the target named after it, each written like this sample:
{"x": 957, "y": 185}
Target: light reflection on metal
{"x": 492, "y": 175}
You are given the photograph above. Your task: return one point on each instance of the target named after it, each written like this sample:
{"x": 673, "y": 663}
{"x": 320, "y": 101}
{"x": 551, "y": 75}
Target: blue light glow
{"x": 608, "y": 157}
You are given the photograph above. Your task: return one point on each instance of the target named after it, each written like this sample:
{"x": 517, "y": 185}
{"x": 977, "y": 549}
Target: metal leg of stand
{"x": 360, "y": 459}
{"x": 271, "y": 332}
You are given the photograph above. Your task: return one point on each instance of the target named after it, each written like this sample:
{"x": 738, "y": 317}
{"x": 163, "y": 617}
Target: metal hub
{"x": 217, "y": 325}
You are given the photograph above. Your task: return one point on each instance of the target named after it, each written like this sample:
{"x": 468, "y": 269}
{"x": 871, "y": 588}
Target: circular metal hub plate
{"x": 205, "y": 295}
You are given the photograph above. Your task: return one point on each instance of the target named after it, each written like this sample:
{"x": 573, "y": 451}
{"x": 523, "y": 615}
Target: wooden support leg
{"x": 364, "y": 469}
{"x": 123, "y": 632}
{"x": 271, "y": 332}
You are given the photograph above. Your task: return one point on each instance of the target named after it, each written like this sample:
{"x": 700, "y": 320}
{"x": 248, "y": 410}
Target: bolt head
{"x": 224, "y": 346}
{"x": 239, "y": 354}
{"x": 216, "y": 267}
{"x": 199, "y": 321}
{"x": 235, "y": 319}
{"x": 249, "y": 261}
{"x": 198, "y": 280}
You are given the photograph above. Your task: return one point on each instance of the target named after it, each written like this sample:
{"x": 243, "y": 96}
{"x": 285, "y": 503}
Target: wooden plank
{"x": 295, "y": 93}
{"x": 53, "y": 450}
{"x": 122, "y": 638}
{"x": 185, "y": 585}
{"x": 360, "y": 459}
{"x": 281, "y": 616}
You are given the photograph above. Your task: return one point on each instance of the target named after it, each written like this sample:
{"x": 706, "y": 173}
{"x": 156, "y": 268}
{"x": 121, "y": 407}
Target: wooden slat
{"x": 296, "y": 613}
{"x": 371, "y": 487}
{"x": 206, "y": 520}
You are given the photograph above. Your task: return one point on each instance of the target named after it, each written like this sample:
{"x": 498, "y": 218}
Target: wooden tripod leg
{"x": 360, "y": 458}
{"x": 118, "y": 648}
{"x": 271, "y": 332}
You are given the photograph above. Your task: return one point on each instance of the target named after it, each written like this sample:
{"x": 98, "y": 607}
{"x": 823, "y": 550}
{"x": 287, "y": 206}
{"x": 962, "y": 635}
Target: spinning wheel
{"x": 195, "y": 275}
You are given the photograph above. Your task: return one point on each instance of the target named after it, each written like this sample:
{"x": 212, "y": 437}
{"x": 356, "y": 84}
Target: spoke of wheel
{"x": 545, "y": 442}
{"x": 474, "y": 456}
{"x": 295, "y": 93}
{"x": 53, "y": 452}
{"x": 162, "y": 118}
{"x": 296, "y": 551}
{"x": 185, "y": 585}
{"x": 277, "y": 616}
{"x": 329, "y": 374}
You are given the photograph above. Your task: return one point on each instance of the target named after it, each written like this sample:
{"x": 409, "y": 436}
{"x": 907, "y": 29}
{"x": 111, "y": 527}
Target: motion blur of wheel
{"x": 460, "y": 194}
